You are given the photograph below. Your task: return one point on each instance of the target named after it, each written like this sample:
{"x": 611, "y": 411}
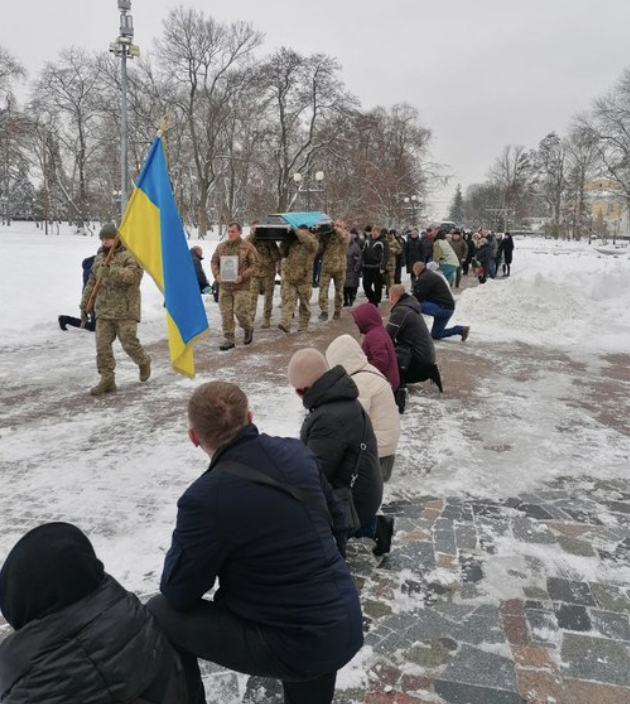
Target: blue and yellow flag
{"x": 152, "y": 231}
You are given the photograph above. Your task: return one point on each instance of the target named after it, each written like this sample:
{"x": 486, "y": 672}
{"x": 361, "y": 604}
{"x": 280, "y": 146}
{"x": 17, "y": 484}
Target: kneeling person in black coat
{"x": 336, "y": 429}
{"x": 286, "y": 606}
{"x": 79, "y": 636}
{"x": 413, "y": 343}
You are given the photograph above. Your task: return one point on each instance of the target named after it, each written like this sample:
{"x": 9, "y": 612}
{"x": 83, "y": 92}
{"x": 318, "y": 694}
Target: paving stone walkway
{"x": 436, "y": 630}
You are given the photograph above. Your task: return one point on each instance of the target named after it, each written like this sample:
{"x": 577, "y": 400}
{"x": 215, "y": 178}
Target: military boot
{"x": 266, "y": 324}
{"x": 323, "y": 315}
{"x": 145, "y": 370}
{"x": 104, "y": 386}
{"x": 249, "y": 336}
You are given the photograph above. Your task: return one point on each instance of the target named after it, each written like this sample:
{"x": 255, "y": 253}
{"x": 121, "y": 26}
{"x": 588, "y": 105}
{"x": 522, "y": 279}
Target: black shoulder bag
{"x": 343, "y": 494}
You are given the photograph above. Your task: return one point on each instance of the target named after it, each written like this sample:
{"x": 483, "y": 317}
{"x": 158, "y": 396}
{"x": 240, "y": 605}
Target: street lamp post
{"x": 410, "y": 202}
{"x": 319, "y": 177}
{"x": 124, "y": 47}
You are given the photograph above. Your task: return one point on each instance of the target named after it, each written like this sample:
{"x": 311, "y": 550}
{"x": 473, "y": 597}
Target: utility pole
{"x": 124, "y": 47}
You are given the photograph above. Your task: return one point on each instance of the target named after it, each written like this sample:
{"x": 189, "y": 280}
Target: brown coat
{"x": 247, "y": 262}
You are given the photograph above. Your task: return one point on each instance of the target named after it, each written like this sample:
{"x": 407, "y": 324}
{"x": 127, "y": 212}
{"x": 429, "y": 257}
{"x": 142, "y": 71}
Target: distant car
{"x": 279, "y": 225}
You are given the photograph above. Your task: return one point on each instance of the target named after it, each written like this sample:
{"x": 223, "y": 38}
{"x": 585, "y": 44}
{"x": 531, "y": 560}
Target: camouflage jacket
{"x": 395, "y": 249}
{"x": 118, "y": 297}
{"x": 268, "y": 255}
{"x": 335, "y": 248}
{"x": 247, "y": 262}
{"x": 299, "y": 253}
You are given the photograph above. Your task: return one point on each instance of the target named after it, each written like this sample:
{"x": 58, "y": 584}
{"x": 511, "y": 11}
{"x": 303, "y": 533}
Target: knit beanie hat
{"x": 306, "y": 367}
{"x": 108, "y": 231}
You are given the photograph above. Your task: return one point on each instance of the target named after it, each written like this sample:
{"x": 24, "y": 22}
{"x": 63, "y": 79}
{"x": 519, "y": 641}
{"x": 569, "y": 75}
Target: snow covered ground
{"x": 532, "y": 398}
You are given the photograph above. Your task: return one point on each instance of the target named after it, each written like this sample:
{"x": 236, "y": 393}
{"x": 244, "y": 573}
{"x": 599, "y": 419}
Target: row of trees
{"x": 550, "y": 181}
{"x": 241, "y": 125}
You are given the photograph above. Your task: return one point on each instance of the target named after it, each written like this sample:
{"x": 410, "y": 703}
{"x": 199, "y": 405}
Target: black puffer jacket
{"x": 406, "y": 327}
{"x": 102, "y": 649}
{"x": 413, "y": 252}
{"x": 334, "y": 430}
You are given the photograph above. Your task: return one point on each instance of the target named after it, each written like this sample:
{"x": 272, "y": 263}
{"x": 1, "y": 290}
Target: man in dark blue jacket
{"x": 286, "y": 606}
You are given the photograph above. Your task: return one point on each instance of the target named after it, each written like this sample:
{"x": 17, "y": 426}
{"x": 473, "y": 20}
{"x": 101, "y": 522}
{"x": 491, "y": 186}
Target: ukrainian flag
{"x": 152, "y": 231}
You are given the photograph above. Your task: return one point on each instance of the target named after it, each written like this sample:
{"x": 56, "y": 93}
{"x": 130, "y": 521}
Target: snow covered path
{"x": 509, "y": 490}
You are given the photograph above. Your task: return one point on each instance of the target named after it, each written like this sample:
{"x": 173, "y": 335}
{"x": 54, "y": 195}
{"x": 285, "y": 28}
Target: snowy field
{"x": 527, "y": 400}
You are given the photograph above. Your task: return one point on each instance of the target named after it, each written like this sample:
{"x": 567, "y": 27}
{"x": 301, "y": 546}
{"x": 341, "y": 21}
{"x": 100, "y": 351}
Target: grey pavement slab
{"x": 570, "y": 591}
{"x": 598, "y": 659}
{"x": 611, "y": 625}
{"x": 478, "y": 677}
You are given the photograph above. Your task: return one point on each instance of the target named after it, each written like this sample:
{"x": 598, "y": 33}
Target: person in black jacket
{"x": 79, "y": 636}
{"x": 336, "y": 429}
{"x": 65, "y": 320}
{"x": 436, "y": 300}
{"x": 508, "y": 251}
{"x": 374, "y": 266}
{"x": 413, "y": 343}
{"x": 286, "y": 606}
{"x": 413, "y": 252}
{"x": 196, "y": 254}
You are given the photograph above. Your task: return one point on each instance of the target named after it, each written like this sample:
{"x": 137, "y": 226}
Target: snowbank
{"x": 560, "y": 294}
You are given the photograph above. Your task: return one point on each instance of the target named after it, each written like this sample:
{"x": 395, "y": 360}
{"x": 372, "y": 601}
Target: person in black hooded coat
{"x": 334, "y": 430}
{"x": 79, "y": 636}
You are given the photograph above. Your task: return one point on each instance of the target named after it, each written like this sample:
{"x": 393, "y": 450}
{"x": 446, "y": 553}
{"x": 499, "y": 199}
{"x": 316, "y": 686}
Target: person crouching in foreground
{"x": 286, "y": 606}
{"x": 79, "y": 636}
{"x": 340, "y": 433}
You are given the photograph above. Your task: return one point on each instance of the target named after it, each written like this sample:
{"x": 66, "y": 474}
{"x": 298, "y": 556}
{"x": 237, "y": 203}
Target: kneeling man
{"x": 258, "y": 522}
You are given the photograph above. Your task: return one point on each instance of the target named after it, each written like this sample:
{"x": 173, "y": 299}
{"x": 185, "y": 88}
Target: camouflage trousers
{"x": 339, "y": 279}
{"x": 390, "y": 275}
{"x": 234, "y": 303}
{"x": 126, "y": 331}
{"x": 267, "y": 284}
{"x": 291, "y": 293}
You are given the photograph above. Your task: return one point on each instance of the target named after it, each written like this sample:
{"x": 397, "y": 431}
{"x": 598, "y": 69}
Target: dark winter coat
{"x": 334, "y": 430}
{"x": 432, "y": 287}
{"x": 86, "y": 265}
{"x": 374, "y": 254}
{"x": 484, "y": 256}
{"x": 471, "y": 249}
{"x": 508, "y": 248}
{"x": 406, "y": 327}
{"x": 427, "y": 249}
{"x": 201, "y": 275}
{"x": 353, "y": 264}
{"x": 276, "y": 561}
{"x": 377, "y": 344}
{"x": 80, "y": 636}
{"x": 413, "y": 252}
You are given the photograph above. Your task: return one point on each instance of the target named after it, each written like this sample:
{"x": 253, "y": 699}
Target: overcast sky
{"x": 483, "y": 73}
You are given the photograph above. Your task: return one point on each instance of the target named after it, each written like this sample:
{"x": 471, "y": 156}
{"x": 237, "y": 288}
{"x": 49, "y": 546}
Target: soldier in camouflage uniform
{"x": 117, "y": 309}
{"x": 333, "y": 267}
{"x": 235, "y": 297}
{"x": 395, "y": 249}
{"x": 265, "y": 279}
{"x": 298, "y": 252}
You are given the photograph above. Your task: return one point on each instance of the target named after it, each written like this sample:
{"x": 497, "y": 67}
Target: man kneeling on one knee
{"x": 436, "y": 300}
{"x": 258, "y": 521}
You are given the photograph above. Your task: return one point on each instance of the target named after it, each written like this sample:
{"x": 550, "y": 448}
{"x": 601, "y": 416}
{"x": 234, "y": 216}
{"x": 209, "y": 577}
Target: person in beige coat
{"x": 375, "y": 395}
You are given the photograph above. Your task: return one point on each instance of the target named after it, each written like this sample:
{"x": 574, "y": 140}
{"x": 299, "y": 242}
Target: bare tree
{"x": 206, "y": 60}
{"x": 511, "y": 173}
{"x": 303, "y": 92}
{"x": 582, "y": 157}
{"x": 67, "y": 89}
{"x": 14, "y": 133}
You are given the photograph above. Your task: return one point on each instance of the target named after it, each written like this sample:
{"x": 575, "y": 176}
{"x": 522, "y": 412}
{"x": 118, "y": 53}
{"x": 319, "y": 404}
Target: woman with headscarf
{"x": 79, "y": 635}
